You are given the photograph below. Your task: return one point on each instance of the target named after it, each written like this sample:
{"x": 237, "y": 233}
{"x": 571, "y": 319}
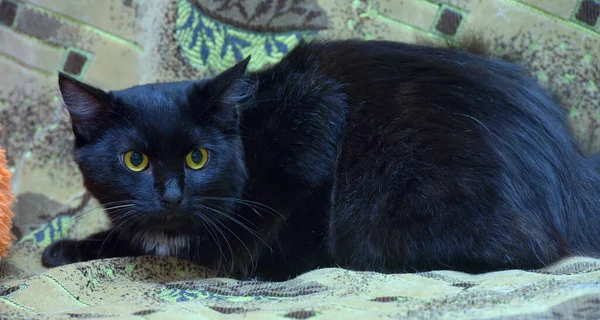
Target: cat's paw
{"x": 60, "y": 253}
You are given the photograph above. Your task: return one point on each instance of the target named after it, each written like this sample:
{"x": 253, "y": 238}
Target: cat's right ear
{"x": 87, "y": 107}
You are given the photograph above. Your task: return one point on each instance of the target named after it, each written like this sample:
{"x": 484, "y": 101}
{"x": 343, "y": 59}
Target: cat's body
{"x": 368, "y": 155}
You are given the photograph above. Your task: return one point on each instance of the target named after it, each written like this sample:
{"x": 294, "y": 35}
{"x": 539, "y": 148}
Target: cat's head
{"x": 156, "y": 155}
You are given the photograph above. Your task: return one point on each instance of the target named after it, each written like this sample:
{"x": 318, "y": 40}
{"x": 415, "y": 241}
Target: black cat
{"x": 369, "y": 155}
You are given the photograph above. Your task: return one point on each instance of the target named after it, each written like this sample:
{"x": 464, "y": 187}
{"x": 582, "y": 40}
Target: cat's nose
{"x": 171, "y": 201}
{"x": 172, "y": 196}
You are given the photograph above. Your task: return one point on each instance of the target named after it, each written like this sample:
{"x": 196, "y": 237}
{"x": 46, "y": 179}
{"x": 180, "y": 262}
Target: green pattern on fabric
{"x": 55, "y": 230}
{"x": 210, "y": 43}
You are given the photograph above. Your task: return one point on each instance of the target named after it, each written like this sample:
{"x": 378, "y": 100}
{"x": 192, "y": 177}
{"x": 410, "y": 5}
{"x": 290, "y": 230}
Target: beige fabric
{"x": 167, "y": 289}
{"x": 119, "y": 43}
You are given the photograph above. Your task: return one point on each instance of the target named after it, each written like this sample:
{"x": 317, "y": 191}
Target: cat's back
{"x": 392, "y": 86}
{"x": 426, "y": 157}
{"x": 468, "y": 139}
{"x": 444, "y": 107}
{"x": 369, "y": 68}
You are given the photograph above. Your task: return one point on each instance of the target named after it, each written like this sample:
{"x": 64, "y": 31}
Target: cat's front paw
{"x": 61, "y": 253}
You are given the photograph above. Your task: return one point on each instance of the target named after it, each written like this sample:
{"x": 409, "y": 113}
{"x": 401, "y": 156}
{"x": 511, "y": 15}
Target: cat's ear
{"x": 227, "y": 80}
{"x": 227, "y": 90}
{"x": 87, "y": 107}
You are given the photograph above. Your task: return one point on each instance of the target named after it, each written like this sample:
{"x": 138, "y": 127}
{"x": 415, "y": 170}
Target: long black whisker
{"x": 208, "y": 220}
{"x": 129, "y": 223}
{"x": 210, "y": 231}
{"x": 233, "y": 233}
{"x": 97, "y": 209}
{"x": 118, "y": 210}
{"x": 229, "y": 216}
{"x": 246, "y": 202}
{"x": 131, "y": 214}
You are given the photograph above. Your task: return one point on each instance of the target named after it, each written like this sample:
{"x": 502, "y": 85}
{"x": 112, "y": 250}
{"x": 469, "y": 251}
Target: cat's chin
{"x": 166, "y": 225}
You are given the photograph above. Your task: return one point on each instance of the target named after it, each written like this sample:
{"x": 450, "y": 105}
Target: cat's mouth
{"x": 168, "y": 223}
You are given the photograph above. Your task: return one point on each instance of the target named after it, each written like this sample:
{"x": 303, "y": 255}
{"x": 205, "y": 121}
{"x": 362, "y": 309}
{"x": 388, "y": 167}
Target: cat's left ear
{"x": 227, "y": 90}
{"x": 224, "y": 93}
{"x": 226, "y": 81}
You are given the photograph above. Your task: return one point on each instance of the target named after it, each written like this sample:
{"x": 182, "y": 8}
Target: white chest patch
{"x": 159, "y": 244}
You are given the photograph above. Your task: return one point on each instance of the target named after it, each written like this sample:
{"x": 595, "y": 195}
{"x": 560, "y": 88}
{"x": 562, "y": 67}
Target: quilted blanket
{"x": 118, "y": 43}
{"x": 153, "y": 288}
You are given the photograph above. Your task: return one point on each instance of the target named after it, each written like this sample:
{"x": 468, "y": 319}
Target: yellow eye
{"x": 135, "y": 161}
{"x": 197, "y": 159}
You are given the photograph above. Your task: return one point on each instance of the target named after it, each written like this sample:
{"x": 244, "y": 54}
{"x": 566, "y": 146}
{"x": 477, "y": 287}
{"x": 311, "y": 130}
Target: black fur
{"x": 369, "y": 155}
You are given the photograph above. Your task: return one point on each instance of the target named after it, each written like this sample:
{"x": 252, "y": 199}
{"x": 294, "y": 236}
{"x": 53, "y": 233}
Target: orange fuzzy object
{"x": 6, "y": 200}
